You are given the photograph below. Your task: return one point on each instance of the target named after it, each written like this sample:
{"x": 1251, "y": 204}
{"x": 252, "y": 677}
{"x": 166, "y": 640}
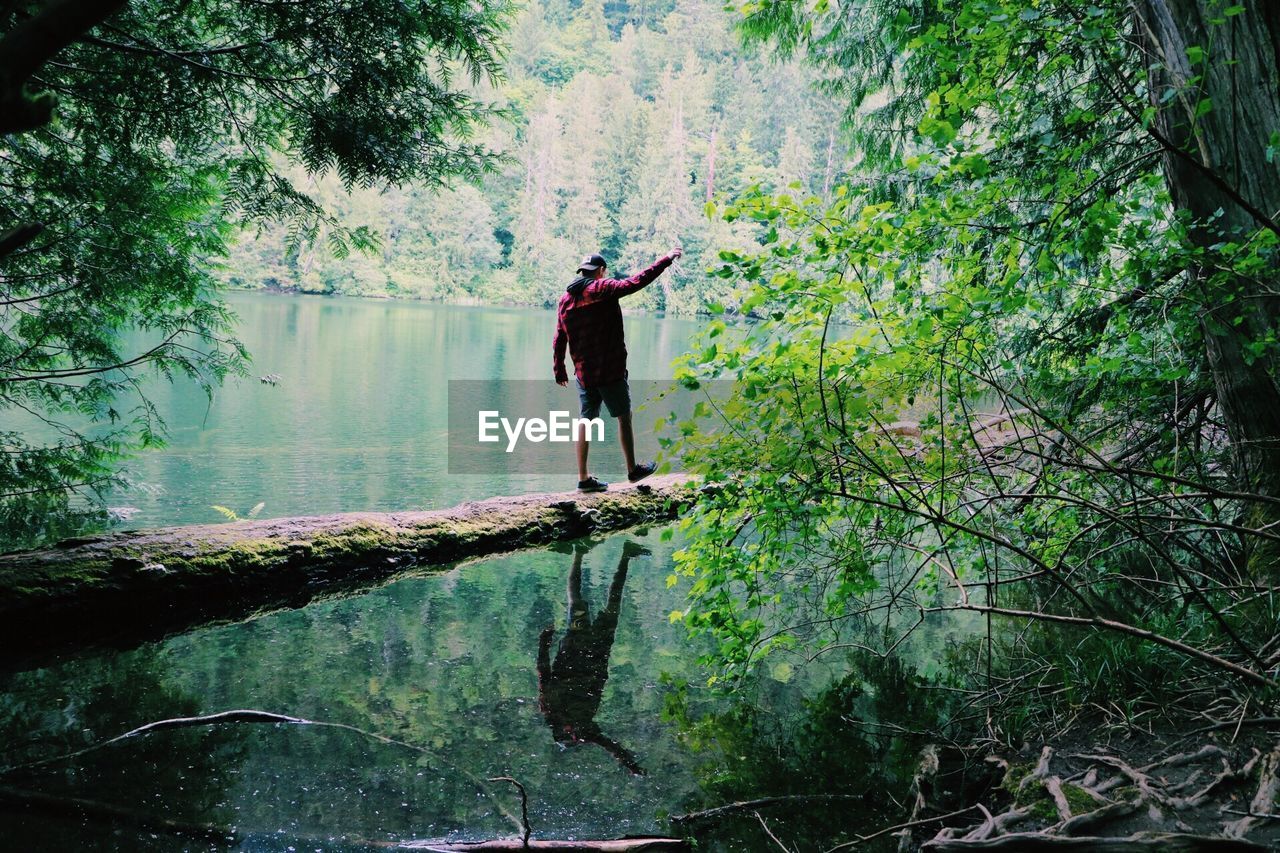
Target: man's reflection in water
{"x": 569, "y": 690}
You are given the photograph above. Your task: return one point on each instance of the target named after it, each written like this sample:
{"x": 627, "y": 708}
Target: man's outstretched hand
{"x": 676, "y": 253}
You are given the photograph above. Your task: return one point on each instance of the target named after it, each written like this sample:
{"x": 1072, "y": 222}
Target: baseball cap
{"x": 591, "y": 263}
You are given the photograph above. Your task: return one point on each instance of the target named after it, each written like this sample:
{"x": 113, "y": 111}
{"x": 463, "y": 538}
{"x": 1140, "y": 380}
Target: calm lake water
{"x": 357, "y": 420}
{"x": 446, "y": 664}
{"x": 560, "y": 670}
{"x": 435, "y": 684}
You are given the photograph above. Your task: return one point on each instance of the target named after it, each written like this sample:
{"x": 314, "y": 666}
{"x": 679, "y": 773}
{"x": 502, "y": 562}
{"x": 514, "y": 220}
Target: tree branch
{"x": 32, "y": 43}
{"x": 1120, "y": 627}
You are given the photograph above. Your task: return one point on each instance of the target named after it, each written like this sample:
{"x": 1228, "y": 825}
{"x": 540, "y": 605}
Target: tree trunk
{"x": 711, "y": 163}
{"x": 31, "y": 43}
{"x": 1216, "y": 168}
{"x": 829, "y": 172}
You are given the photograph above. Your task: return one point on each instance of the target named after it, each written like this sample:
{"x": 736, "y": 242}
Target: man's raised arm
{"x": 617, "y": 287}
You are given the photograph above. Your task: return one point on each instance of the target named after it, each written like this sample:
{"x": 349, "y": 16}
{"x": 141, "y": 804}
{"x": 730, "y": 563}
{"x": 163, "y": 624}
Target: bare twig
{"x": 911, "y": 824}
{"x": 763, "y": 802}
{"x": 1120, "y": 627}
{"x": 524, "y": 805}
{"x": 769, "y": 832}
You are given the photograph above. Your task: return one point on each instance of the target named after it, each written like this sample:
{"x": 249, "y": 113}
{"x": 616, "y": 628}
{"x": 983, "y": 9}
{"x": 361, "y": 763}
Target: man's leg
{"x": 627, "y": 439}
{"x": 617, "y": 396}
{"x": 583, "y": 446}
{"x": 589, "y": 407}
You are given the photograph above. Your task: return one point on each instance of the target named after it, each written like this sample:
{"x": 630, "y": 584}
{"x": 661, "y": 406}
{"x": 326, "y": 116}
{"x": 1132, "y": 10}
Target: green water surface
{"x": 447, "y": 666}
{"x": 429, "y": 686}
{"x": 357, "y": 419}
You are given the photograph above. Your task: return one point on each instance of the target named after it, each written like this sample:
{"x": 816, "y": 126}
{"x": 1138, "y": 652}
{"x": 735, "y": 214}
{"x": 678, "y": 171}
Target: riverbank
{"x": 547, "y": 303}
{"x": 120, "y": 588}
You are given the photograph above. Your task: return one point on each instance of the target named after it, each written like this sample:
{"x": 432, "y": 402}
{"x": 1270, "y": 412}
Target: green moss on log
{"x": 180, "y": 576}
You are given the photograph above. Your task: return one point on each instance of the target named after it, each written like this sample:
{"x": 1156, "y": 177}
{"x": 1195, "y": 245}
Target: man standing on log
{"x": 589, "y": 321}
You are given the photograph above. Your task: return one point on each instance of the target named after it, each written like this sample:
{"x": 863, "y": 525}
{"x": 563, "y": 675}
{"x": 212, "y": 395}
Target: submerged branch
{"x": 1120, "y": 627}
{"x": 763, "y": 802}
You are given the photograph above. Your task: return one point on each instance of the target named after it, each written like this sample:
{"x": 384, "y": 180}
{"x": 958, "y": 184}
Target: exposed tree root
{"x": 1083, "y": 824}
{"x": 1157, "y": 842}
{"x": 1101, "y": 802}
{"x": 1264, "y": 800}
{"x": 1054, "y": 786}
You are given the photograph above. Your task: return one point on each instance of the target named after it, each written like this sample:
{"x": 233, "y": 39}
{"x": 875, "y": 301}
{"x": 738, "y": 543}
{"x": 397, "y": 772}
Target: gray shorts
{"x": 615, "y": 396}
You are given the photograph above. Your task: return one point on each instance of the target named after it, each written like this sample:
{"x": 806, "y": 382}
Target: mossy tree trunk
{"x": 1220, "y": 166}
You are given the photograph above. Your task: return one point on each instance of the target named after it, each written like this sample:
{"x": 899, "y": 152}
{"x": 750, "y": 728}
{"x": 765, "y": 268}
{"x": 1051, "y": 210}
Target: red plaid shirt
{"x": 591, "y": 325}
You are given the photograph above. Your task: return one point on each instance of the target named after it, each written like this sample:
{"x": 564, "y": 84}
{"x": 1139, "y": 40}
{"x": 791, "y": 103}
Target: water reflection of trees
{"x": 445, "y": 663}
{"x": 181, "y": 775}
{"x": 571, "y": 687}
{"x": 856, "y": 740}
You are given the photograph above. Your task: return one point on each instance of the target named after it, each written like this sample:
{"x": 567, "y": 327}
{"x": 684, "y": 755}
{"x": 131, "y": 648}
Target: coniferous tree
{"x": 137, "y": 136}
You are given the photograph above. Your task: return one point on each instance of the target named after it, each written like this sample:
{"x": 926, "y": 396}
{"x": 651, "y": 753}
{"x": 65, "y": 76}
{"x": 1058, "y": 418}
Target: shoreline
{"x": 461, "y": 303}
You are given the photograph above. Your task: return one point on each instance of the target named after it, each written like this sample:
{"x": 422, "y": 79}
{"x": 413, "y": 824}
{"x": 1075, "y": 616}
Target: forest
{"x": 621, "y": 123}
{"x": 976, "y": 501}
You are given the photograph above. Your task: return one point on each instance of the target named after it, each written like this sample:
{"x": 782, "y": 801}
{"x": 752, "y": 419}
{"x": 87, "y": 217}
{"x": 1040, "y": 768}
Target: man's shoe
{"x": 591, "y": 484}
{"x": 644, "y": 469}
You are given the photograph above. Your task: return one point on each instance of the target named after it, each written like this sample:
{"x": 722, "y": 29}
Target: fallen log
{"x": 31, "y": 802}
{"x": 613, "y": 845}
{"x": 123, "y": 587}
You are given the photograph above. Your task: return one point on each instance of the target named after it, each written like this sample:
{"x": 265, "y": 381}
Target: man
{"x": 589, "y": 321}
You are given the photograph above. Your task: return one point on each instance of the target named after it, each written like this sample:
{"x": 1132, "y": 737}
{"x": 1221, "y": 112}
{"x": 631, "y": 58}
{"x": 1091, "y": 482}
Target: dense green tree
{"x": 599, "y": 161}
{"x": 661, "y": 210}
{"x": 139, "y": 135}
{"x": 1055, "y": 396}
{"x": 795, "y": 163}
